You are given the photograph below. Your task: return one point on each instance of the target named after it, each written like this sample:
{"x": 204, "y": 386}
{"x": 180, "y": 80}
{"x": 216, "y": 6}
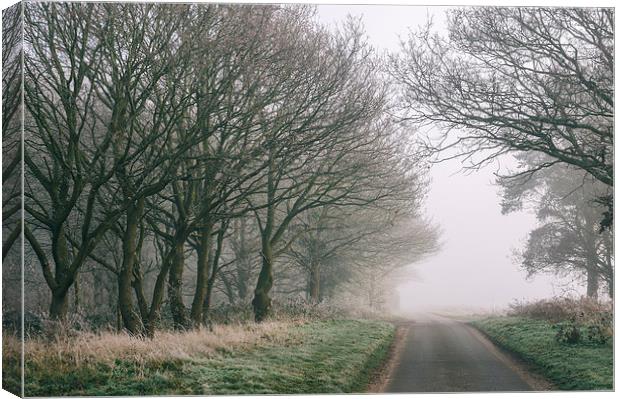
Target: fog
{"x": 474, "y": 269}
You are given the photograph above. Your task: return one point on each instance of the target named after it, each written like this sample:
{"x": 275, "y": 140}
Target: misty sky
{"x": 474, "y": 268}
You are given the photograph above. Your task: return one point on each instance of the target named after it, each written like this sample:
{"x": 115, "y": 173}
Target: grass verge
{"x": 570, "y": 367}
{"x": 308, "y": 357}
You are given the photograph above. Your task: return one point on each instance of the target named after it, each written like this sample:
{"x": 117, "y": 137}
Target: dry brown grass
{"x": 581, "y": 310}
{"x": 272, "y": 357}
{"x": 108, "y": 347}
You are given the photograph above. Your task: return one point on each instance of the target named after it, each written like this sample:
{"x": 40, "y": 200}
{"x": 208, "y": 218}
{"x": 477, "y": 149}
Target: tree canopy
{"x": 507, "y": 80}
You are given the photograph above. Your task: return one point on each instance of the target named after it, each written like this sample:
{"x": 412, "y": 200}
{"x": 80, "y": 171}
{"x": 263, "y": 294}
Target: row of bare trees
{"x": 175, "y": 149}
{"x": 240, "y": 151}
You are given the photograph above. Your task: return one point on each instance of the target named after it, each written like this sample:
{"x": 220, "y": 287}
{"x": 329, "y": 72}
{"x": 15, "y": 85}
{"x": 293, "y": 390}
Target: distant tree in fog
{"x": 359, "y": 250}
{"x": 506, "y": 80}
{"x": 568, "y": 239}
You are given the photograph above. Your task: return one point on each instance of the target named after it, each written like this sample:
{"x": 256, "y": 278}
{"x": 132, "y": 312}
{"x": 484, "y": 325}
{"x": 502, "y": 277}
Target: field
{"x": 275, "y": 357}
{"x": 580, "y": 366}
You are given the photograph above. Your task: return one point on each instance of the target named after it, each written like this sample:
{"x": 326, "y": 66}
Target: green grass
{"x": 571, "y": 367}
{"x": 316, "y": 357}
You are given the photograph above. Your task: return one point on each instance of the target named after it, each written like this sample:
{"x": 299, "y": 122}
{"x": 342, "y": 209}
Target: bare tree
{"x": 369, "y": 237}
{"x": 12, "y": 75}
{"x": 516, "y": 79}
{"x": 377, "y": 262}
{"x": 144, "y": 85}
{"x": 107, "y": 146}
{"x": 230, "y": 67}
{"x": 65, "y": 145}
{"x": 245, "y": 244}
{"x": 318, "y": 141}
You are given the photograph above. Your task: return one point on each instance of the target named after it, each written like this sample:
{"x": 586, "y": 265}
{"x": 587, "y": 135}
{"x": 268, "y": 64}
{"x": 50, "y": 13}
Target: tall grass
{"x": 108, "y": 347}
{"x": 270, "y": 357}
{"x": 574, "y": 319}
{"x": 89, "y": 361}
{"x": 557, "y": 309}
{"x": 296, "y": 309}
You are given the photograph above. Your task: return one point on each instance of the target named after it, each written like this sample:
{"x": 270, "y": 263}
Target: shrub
{"x": 598, "y": 334}
{"x": 583, "y": 310}
{"x": 575, "y": 319}
{"x": 12, "y": 322}
{"x": 297, "y": 308}
{"x": 231, "y": 313}
{"x": 567, "y": 333}
{"x": 288, "y": 309}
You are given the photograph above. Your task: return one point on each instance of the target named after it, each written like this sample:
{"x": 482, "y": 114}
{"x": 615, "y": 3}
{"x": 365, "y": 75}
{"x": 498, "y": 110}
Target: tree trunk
{"x": 202, "y": 276}
{"x": 608, "y": 275}
{"x": 60, "y": 302}
{"x": 215, "y": 267}
{"x": 131, "y": 320}
{"x": 262, "y": 302}
{"x": 592, "y": 275}
{"x": 59, "y": 305}
{"x": 158, "y": 298}
{"x": 228, "y": 289}
{"x": 242, "y": 264}
{"x": 207, "y": 301}
{"x": 119, "y": 319}
{"x": 150, "y": 317}
{"x": 242, "y": 280}
{"x": 175, "y": 284}
{"x": 315, "y": 283}
{"x": 592, "y": 285}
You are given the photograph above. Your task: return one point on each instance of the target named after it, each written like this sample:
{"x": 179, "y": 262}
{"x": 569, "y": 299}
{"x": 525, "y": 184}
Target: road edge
{"x": 525, "y": 370}
{"x": 380, "y": 379}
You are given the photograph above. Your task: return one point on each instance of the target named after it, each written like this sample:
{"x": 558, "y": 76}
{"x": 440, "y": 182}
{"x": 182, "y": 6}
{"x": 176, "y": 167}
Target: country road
{"x": 441, "y": 355}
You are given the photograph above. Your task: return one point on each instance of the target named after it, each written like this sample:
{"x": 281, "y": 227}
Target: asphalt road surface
{"x": 441, "y": 355}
